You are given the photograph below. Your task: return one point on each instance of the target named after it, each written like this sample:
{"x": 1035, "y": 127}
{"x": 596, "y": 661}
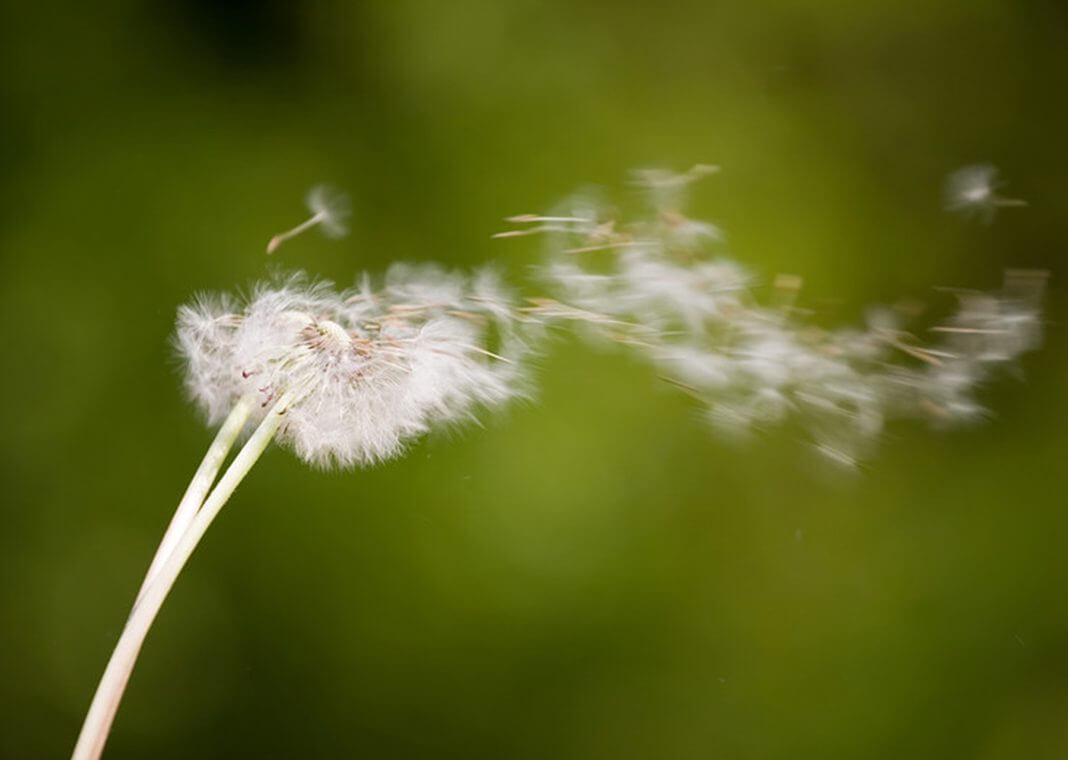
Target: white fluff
{"x": 661, "y": 287}
{"x": 370, "y": 371}
{"x": 974, "y": 190}
{"x": 331, "y": 208}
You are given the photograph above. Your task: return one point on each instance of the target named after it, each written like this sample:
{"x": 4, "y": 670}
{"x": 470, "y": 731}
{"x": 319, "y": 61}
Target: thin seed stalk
{"x": 199, "y": 487}
{"x": 109, "y": 693}
{"x": 282, "y": 237}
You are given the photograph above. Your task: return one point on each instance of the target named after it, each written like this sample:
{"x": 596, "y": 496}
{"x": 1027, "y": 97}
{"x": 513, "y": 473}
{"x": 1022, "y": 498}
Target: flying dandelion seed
{"x": 973, "y": 190}
{"x": 330, "y": 211}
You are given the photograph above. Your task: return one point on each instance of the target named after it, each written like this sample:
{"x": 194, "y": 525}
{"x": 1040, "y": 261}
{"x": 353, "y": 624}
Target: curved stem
{"x": 113, "y": 683}
{"x": 198, "y": 487}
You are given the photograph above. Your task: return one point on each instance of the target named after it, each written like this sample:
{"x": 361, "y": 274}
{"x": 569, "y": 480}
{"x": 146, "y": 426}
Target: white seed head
{"x": 368, "y": 371}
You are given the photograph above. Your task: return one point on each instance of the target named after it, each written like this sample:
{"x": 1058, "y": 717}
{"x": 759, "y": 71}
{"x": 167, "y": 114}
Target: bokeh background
{"x": 592, "y": 575}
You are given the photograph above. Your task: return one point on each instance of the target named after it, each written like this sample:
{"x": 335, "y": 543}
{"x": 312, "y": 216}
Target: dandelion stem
{"x": 198, "y": 487}
{"x": 113, "y": 683}
{"x": 282, "y": 237}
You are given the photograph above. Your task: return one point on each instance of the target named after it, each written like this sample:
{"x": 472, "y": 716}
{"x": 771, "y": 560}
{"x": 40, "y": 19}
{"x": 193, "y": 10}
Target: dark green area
{"x": 593, "y": 575}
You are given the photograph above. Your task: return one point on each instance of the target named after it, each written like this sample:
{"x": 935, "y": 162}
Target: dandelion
{"x": 344, "y": 379}
{"x": 329, "y": 211}
{"x": 973, "y": 190}
{"x": 350, "y": 378}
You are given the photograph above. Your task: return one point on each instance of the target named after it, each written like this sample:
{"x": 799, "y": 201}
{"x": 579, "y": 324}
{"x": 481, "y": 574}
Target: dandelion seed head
{"x": 368, "y": 371}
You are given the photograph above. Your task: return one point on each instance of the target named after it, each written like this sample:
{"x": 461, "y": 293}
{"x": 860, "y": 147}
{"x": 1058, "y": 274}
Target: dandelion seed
{"x": 667, "y": 189}
{"x": 973, "y": 190}
{"x": 835, "y": 455}
{"x": 329, "y": 211}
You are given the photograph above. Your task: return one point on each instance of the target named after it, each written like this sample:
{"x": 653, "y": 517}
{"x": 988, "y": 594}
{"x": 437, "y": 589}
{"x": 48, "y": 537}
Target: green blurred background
{"x": 592, "y": 575}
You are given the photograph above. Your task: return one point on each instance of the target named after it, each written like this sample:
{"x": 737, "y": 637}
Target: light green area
{"x": 592, "y": 575}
